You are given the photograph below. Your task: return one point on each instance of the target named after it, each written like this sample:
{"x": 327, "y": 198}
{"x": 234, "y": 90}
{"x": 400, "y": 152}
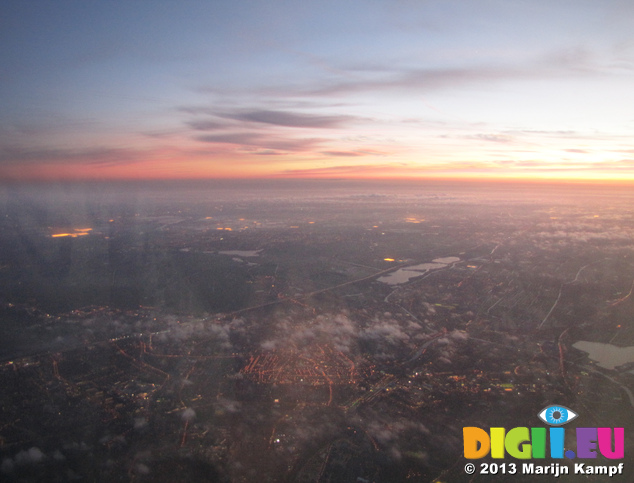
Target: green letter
{"x": 538, "y": 438}
{"x": 516, "y": 438}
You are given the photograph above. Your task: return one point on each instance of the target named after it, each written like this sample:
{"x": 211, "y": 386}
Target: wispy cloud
{"x": 356, "y": 153}
{"x": 388, "y": 170}
{"x": 380, "y": 78}
{"x": 341, "y": 153}
{"x": 245, "y": 138}
{"x": 267, "y": 152}
{"x": 496, "y": 138}
{"x": 621, "y": 164}
{"x": 262, "y": 141}
{"x": 574, "y": 166}
{"x": 262, "y": 132}
{"x": 100, "y": 155}
{"x": 563, "y": 63}
{"x": 345, "y": 170}
{"x": 216, "y": 119}
{"x": 287, "y": 119}
{"x": 491, "y": 168}
{"x": 417, "y": 79}
{"x": 205, "y": 125}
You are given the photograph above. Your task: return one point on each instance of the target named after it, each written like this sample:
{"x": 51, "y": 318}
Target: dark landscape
{"x": 298, "y": 331}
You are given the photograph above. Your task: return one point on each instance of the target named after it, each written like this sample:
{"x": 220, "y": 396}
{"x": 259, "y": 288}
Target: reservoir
{"x": 607, "y": 356}
{"x": 405, "y": 274}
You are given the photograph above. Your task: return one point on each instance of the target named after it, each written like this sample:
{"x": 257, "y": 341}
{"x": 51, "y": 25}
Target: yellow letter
{"x": 497, "y": 442}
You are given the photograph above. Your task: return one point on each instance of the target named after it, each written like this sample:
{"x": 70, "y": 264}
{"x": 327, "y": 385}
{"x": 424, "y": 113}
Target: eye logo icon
{"x": 557, "y": 415}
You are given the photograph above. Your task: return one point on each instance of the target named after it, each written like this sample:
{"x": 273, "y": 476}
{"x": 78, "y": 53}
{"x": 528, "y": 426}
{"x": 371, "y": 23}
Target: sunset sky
{"x": 317, "y": 89}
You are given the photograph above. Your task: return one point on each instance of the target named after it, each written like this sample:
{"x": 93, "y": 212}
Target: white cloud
{"x": 188, "y": 415}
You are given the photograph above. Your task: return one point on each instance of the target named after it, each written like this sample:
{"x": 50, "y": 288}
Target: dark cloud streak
{"x": 288, "y": 119}
{"x": 360, "y": 152}
{"x": 264, "y": 142}
{"x": 103, "y": 156}
{"x": 205, "y": 125}
{"x": 245, "y": 138}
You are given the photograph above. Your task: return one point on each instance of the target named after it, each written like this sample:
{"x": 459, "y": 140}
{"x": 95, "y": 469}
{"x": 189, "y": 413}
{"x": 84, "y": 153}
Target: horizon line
{"x": 339, "y": 179}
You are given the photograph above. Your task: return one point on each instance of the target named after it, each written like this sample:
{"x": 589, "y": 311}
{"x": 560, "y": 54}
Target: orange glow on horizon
{"x": 247, "y": 168}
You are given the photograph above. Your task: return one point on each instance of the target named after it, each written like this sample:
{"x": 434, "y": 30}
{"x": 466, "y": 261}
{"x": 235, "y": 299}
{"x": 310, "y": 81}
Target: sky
{"x": 508, "y": 89}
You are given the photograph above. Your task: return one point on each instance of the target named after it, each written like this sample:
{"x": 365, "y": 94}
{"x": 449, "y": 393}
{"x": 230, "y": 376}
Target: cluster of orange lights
{"x": 74, "y": 233}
